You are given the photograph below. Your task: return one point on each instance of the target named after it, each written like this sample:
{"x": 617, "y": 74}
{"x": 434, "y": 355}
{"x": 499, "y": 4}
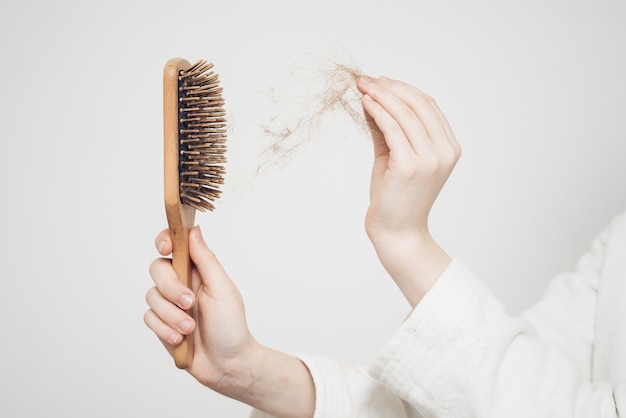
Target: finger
{"x": 163, "y": 242}
{"x": 449, "y": 133}
{"x": 403, "y": 114}
{"x": 164, "y": 332}
{"x": 362, "y": 83}
{"x": 168, "y": 313}
{"x": 169, "y": 286}
{"x": 426, "y": 108}
{"x": 378, "y": 139}
{"x": 394, "y": 136}
{"x": 211, "y": 272}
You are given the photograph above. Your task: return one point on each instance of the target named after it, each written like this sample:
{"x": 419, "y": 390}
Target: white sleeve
{"x": 459, "y": 354}
{"x": 346, "y": 391}
{"x": 566, "y": 313}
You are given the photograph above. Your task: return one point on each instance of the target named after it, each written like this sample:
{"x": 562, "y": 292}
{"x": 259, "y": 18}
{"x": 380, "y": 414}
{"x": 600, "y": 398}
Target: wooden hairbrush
{"x": 194, "y": 133}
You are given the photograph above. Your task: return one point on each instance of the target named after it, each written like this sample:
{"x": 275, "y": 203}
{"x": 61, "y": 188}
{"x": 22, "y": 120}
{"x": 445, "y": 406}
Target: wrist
{"x": 273, "y": 382}
{"x": 414, "y": 261}
{"x": 236, "y": 376}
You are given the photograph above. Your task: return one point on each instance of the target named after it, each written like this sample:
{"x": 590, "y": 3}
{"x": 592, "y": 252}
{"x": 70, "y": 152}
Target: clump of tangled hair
{"x": 334, "y": 93}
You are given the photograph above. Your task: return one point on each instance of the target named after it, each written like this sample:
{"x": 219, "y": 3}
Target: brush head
{"x": 200, "y": 132}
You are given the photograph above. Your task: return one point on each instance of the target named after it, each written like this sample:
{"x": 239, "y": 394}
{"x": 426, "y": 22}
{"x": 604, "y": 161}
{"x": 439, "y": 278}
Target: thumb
{"x": 211, "y": 272}
{"x": 378, "y": 138}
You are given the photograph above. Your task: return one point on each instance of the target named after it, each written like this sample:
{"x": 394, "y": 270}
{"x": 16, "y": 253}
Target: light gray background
{"x": 534, "y": 90}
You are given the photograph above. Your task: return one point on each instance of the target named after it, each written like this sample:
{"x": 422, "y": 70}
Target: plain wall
{"x": 534, "y": 90}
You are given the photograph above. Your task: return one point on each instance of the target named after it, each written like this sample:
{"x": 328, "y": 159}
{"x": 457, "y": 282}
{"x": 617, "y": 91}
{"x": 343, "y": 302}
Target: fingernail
{"x": 185, "y": 324}
{"x": 365, "y": 79}
{"x": 161, "y": 246}
{"x": 173, "y": 338}
{"x": 197, "y": 235}
{"x": 185, "y": 301}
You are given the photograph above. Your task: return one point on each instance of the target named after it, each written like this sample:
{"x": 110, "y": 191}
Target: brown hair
{"x": 334, "y": 92}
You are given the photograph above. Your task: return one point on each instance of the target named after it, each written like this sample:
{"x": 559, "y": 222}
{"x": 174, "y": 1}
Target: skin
{"x": 414, "y": 153}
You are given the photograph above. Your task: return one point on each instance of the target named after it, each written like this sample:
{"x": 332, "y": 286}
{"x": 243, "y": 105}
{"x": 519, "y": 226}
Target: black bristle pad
{"x": 202, "y": 136}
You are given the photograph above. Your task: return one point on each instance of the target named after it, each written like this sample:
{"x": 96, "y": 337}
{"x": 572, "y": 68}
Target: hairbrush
{"x": 194, "y": 133}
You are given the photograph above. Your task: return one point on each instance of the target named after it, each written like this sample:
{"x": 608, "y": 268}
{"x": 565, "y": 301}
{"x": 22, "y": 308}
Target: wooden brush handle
{"x": 180, "y": 218}
{"x": 180, "y": 223}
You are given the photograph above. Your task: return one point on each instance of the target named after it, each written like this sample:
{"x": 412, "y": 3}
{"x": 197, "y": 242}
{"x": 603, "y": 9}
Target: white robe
{"x": 459, "y": 354}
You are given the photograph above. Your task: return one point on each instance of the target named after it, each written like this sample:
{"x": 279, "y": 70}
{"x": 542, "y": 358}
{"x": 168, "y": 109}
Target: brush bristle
{"x": 202, "y": 136}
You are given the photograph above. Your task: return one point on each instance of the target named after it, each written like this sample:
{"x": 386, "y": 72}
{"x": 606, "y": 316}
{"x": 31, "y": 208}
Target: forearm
{"x": 273, "y": 382}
